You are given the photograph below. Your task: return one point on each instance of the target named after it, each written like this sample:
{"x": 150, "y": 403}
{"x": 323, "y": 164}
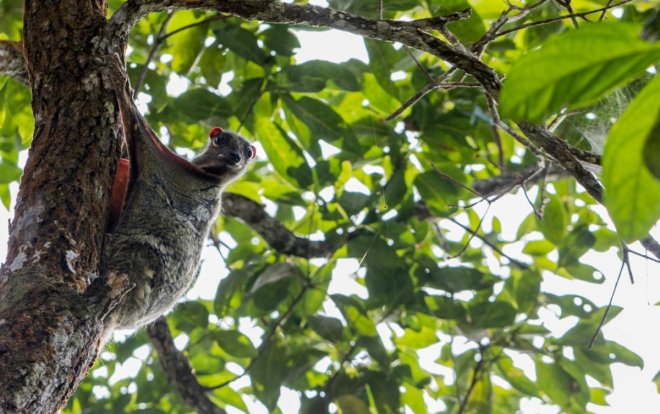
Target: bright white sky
{"x": 636, "y": 328}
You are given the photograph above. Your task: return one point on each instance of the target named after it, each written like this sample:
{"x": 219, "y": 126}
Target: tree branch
{"x": 284, "y": 241}
{"x": 273, "y": 11}
{"x": 158, "y": 40}
{"x": 563, "y": 154}
{"x": 12, "y": 61}
{"x": 178, "y": 369}
{"x": 276, "y": 235}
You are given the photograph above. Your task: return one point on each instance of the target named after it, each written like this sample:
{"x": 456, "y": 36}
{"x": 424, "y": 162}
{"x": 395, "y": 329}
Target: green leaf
{"x": 328, "y": 328}
{"x": 384, "y": 391}
{"x": 5, "y": 195}
{"x": 212, "y": 64}
{"x": 353, "y": 202}
{"x": 228, "y": 396}
{"x": 619, "y": 353}
{"x": 434, "y": 189}
{"x": 575, "y": 68}
{"x": 243, "y": 101}
{"x": 656, "y": 380}
{"x": 553, "y": 224}
{"x": 492, "y": 314}
{"x": 516, "y": 377}
{"x": 243, "y": 43}
{"x": 189, "y": 315}
{"x": 575, "y": 244}
{"x": 538, "y": 248}
{"x": 267, "y": 373}
{"x": 284, "y": 154}
{"x": 314, "y": 74}
{"x": 593, "y": 366}
{"x": 186, "y": 45}
{"x": 632, "y": 194}
{"x": 199, "y": 104}
{"x": 554, "y": 382}
{"x": 9, "y": 172}
{"x": 527, "y": 287}
{"x": 235, "y": 343}
{"x": 351, "y": 404}
{"x": 281, "y": 40}
{"x": 582, "y": 332}
{"x": 414, "y": 399}
{"x": 322, "y": 120}
{"x": 273, "y": 274}
{"x": 417, "y": 339}
{"x": 454, "y": 279}
{"x": 355, "y": 315}
{"x": 444, "y": 307}
{"x": 652, "y": 149}
{"x": 387, "y": 278}
{"x": 382, "y": 60}
{"x": 598, "y": 396}
{"x": 395, "y": 188}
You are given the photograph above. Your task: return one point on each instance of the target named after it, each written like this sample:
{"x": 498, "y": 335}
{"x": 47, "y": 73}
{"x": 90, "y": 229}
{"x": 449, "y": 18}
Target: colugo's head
{"x": 226, "y": 155}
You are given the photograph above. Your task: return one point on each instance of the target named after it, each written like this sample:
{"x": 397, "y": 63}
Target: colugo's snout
{"x": 233, "y": 158}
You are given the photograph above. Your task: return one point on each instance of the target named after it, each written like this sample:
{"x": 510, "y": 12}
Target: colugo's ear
{"x": 215, "y": 131}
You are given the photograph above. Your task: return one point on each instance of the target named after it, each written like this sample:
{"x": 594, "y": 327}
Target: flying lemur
{"x": 162, "y": 208}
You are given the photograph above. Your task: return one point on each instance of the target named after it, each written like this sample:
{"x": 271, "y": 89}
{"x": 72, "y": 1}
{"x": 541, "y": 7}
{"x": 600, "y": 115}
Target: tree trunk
{"x": 49, "y": 321}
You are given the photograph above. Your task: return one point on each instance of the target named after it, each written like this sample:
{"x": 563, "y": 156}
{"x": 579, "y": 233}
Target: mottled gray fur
{"x": 167, "y": 215}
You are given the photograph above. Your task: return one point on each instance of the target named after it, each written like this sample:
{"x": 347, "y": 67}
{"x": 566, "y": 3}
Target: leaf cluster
{"x": 418, "y": 266}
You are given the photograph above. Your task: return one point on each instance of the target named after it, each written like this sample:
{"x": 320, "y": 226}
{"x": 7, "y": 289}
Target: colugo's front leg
{"x": 169, "y": 206}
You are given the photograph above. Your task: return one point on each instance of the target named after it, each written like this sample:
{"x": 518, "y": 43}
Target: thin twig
{"x": 602, "y": 15}
{"x": 345, "y": 359}
{"x": 191, "y": 25}
{"x": 434, "y": 84}
{"x": 161, "y": 37}
{"x": 506, "y": 128}
{"x": 451, "y": 38}
{"x": 472, "y": 234}
{"x": 653, "y": 259}
{"x": 560, "y": 18}
{"x": 152, "y": 53}
{"x": 379, "y": 9}
{"x": 504, "y": 18}
{"x": 487, "y": 242}
{"x": 455, "y": 182}
{"x": 475, "y": 379}
{"x": 567, "y": 5}
{"x": 626, "y": 260}
{"x": 492, "y": 106}
{"x": 248, "y": 110}
{"x": 419, "y": 65}
{"x": 609, "y": 305}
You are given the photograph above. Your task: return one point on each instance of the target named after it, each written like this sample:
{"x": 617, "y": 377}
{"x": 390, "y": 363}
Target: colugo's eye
{"x": 251, "y": 152}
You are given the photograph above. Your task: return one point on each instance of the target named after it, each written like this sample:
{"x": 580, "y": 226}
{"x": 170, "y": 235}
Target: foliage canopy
{"x": 402, "y": 203}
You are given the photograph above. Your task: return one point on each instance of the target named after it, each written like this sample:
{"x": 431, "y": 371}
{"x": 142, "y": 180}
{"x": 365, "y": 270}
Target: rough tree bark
{"x": 49, "y": 333}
